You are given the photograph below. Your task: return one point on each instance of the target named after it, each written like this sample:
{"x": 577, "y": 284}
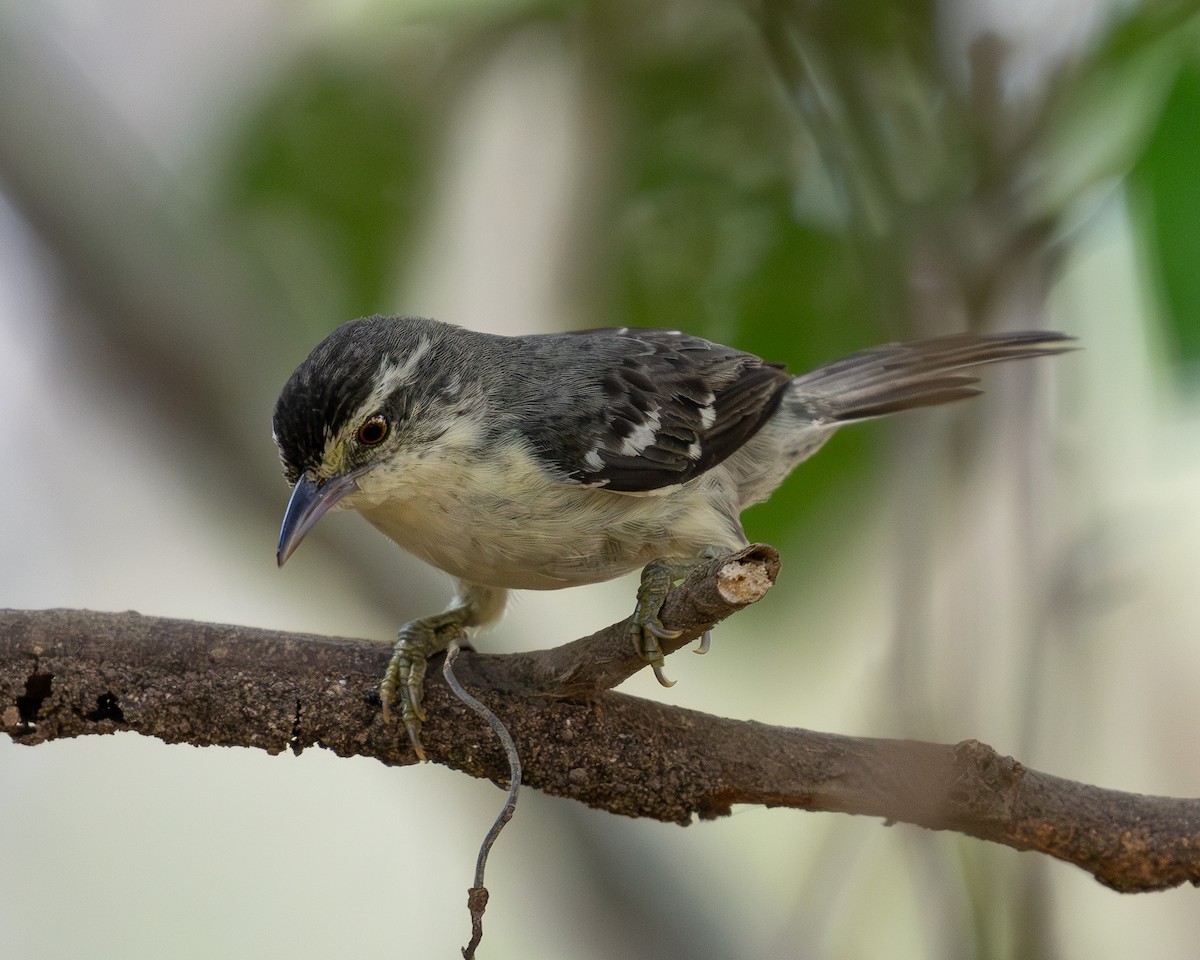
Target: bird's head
{"x": 367, "y": 397}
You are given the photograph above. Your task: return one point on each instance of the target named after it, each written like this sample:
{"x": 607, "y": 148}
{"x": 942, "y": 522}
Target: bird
{"x": 551, "y": 460}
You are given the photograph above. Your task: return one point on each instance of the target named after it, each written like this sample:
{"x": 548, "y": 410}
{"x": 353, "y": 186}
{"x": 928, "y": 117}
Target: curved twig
{"x": 477, "y": 896}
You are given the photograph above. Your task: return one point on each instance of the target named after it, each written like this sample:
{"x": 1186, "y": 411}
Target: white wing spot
{"x": 708, "y": 413}
{"x": 694, "y": 450}
{"x": 592, "y": 459}
{"x": 643, "y": 435}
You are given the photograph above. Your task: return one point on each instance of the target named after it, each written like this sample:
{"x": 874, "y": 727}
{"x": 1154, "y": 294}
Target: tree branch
{"x": 66, "y": 673}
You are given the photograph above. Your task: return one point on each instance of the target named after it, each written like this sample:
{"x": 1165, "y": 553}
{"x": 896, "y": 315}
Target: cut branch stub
{"x": 709, "y": 594}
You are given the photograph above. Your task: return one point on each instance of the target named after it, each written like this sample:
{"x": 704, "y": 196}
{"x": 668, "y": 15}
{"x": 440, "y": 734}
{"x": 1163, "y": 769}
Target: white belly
{"x": 536, "y": 534}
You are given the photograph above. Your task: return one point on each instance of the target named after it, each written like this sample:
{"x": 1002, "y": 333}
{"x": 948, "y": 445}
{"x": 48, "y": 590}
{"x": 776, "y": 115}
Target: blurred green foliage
{"x": 328, "y": 172}
{"x": 1167, "y": 179}
{"x": 792, "y": 178}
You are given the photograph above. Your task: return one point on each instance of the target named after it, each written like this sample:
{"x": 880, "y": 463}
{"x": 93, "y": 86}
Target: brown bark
{"x": 66, "y": 673}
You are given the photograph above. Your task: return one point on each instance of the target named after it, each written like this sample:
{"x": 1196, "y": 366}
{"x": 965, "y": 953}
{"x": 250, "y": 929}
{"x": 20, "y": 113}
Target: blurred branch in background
{"x": 173, "y": 301}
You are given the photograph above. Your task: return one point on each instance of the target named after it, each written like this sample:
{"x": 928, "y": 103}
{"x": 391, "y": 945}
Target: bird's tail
{"x": 922, "y": 373}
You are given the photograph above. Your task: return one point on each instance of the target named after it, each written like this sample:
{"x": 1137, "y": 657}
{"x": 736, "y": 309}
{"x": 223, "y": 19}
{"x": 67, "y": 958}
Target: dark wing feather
{"x": 652, "y": 409}
{"x": 921, "y": 373}
{"x": 640, "y": 410}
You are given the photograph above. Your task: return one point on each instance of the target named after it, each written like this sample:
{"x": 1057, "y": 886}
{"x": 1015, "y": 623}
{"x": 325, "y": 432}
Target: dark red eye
{"x": 373, "y": 430}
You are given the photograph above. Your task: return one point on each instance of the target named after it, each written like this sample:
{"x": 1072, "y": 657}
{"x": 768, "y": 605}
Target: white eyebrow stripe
{"x": 391, "y": 376}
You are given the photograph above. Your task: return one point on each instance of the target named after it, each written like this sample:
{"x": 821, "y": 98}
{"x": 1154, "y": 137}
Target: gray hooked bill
{"x": 310, "y": 501}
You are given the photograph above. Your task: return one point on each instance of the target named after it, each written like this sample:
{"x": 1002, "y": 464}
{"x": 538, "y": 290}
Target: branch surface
{"x": 68, "y": 673}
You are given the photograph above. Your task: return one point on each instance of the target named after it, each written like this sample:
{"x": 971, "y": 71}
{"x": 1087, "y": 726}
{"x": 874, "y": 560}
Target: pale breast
{"x": 532, "y": 532}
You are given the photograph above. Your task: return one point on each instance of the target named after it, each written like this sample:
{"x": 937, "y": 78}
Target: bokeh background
{"x": 191, "y": 195}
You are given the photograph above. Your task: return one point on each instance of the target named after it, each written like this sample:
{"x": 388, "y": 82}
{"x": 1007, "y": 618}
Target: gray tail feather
{"x": 922, "y": 373}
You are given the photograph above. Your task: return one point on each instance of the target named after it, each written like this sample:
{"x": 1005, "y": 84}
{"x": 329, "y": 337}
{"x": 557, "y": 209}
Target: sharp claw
{"x": 705, "y": 643}
{"x": 413, "y": 702}
{"x": 659, "y": 675}
{"x": 413, "y": 726}
{"x": 660, "y": 631}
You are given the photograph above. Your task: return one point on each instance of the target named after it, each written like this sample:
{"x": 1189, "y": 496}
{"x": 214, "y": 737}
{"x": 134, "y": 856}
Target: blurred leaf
{"x": 706, "y": 170}
{"x": 805, "y": 305}
{"x": 1108, "y": 109}
{"x": 1101, "y": 126}
{"x": 1167, "y": 180}
{"x": 852, "y": 27}
{"x": 704, "y": 230}
{"x": 330, "y": 172}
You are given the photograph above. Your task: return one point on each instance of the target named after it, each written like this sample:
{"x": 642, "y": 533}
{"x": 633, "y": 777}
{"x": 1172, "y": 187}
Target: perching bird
{"x": 547, "y": 461}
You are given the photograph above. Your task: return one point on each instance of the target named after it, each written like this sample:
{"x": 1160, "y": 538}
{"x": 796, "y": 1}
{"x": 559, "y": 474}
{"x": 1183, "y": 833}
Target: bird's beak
{"x": 310, "y": 501}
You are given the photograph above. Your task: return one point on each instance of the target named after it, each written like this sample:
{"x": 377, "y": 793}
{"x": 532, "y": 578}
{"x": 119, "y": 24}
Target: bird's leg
{"x": 405, "y": 675}
{"x": 404, "y": 679}
{"x": 645, "y": 628}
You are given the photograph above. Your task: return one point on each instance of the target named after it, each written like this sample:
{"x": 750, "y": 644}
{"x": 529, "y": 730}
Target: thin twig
{"x": 477, "y": 896}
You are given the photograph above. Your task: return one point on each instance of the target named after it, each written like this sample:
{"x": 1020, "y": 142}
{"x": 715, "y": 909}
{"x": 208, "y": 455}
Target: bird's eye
{"x": 373, "y": 430}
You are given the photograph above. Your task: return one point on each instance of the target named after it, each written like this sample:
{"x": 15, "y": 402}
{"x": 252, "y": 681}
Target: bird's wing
{"x": 655, "y": 408}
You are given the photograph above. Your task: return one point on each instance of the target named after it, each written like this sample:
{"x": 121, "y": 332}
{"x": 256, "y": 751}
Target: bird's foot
{"x": 404, "y": 680}
{"x": 646, "y": 630}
